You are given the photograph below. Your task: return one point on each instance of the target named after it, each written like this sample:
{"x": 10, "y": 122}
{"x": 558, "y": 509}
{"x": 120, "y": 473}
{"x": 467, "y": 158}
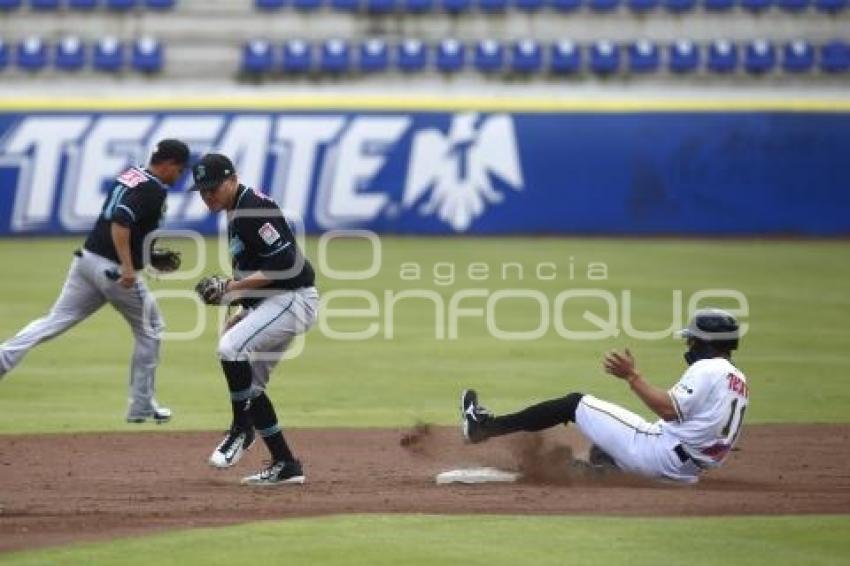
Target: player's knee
{"x": 571, "y": 402}
{"x": 229, "y": 350}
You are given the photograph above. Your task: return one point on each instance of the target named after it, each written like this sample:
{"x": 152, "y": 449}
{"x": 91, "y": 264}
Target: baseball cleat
{"x": 159, "y": 415}
{"x": 473, "y": 417}
{"x": 278, "y": 473}
{"x": 232, "y": 448}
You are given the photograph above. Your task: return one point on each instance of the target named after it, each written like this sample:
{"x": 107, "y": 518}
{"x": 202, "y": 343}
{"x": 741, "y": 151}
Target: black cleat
{"x": 278, "y": 473}
{"x": 473, "y": 417}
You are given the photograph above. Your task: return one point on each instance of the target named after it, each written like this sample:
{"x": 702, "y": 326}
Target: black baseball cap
{"x": 170, "y": 149}
{"x": 211, "y": 171}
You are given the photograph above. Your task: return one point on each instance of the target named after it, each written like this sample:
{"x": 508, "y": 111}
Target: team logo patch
{"x": 268, "y": 234}
{"x": 131, "y": 178}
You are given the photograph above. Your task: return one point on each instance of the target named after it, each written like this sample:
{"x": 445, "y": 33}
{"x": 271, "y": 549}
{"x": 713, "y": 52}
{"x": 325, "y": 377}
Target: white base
{"x": 476, "y": 475}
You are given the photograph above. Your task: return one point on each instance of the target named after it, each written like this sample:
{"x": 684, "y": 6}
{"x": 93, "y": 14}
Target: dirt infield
{"x": 58, "y": 489}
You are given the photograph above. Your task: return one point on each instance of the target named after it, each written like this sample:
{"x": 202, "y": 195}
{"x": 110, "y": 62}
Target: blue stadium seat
{"x": 257, "y": 56}
{"x": 4, "y": 55}
{"x": 684, "y": 56}
{"x": 160, "y": 4}
{"x": 492, "y": 5}
{"x": 374, "y": 56}
{"x": 32, "y": 54}
{"x": 44, "y": 5}
{"x": 718, "y": 5}
{"x": 83, "y": 4}
{"x": 831, "y": 5}
{"x": 643, "y": 5}
{"x": 566, "y": 5}
{"x": 306, "y": 5}
{"x": 345, "y": 5}
{"x": 121, "y": 5}
{"x": 10, "y": 4}
{"x": 798, "y": 56}
{"x": 489, "y": 56}
{"x": 451, "y": 56}
{"x": 604, "y": 57}
{"x": 108, "y": 55}
{"x": 411, "y": 55}
{"x": 644, "y": 57}
{"x": 269, "y": 4}
{"x": 297, "y": 56}
{"x": 835, "y": 56}
{"x": 759, "y": 57}
{"x": 526, "y": 56}
{"x": 335, "y": 56}
{"x": 565, "y": 57}
{"x": 69, "y": 54}
{"x": 722, "y": 56}
{"x": 793, "y": 5}
{"x": 756, "y": 5}
{"x": 680, "y": 5}
{"x": 528, "y": 5}
{"x": 603, "y": 5}
{"x": 418, "y": 6}
{"x": 455, "y": 6}
{"x": 380, "y": 6}
{"x": 148, "y": 55}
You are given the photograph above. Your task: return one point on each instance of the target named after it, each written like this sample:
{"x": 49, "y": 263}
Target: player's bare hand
{"x": 620, "y": 365}
{"x": 127, "y": 278}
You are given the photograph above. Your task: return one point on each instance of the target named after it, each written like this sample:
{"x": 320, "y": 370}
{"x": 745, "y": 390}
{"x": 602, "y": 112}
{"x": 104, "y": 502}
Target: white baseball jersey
{"x": 710, "y": 401}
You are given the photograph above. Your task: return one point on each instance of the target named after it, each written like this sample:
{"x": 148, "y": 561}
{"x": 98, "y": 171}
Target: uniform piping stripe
{"x": 266, "y": 325}
{"x": 676, "y": 407}
{"x": 277, "y": 251}
{"x": 129, "y": 211}
{"x": 265, "y": 432}
{"x": 616, "y": 418}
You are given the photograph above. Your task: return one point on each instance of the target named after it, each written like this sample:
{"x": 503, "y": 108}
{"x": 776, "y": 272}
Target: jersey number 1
{"x": 732, "y": 413}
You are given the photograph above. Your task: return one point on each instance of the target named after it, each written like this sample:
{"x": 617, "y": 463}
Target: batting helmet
{"x": 709, "y": 333}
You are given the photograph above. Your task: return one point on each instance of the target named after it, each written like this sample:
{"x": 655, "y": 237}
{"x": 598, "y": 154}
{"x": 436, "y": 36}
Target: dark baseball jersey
{"x": 137, "y": 201}
{"x": 260, "y": 240}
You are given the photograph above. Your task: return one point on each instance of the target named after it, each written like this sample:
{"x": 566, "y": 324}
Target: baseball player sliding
{"x": 700, "y": 416}
{"x": 274, "y": 284}
{"x": 105, "y": 271}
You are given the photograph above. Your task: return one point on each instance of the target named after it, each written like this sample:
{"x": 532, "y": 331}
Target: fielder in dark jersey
{"x": 104, "y": 271}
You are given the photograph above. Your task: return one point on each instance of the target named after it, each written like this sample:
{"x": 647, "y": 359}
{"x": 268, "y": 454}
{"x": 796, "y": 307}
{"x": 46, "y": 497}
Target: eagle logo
{"x": 459, "y": 168}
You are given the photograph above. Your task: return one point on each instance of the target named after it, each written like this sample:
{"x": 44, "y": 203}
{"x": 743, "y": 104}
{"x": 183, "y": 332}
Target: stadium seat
{"x": 718, "y": 5}
{"x": 565, "y": 57}
{"x": 83, "y": 4}
{"x": 835, "y": 56}
{"x": 526, "y": 56}
{"x": 4, "y": 55}
{"x": 604, "y": 57}
{"x": 10, "y": 4}
{"x": 380, "y": 6}
{"x": 108, "y": 55}
{"x": 759, "y": 57}
{"x": 297, "y": 56}
{"x": 680, "y": 5}
{"x": 798, "y": 56}
{"x": 69, "y": 54}
{"x": 44, "y": 5}
{"x": 121, "y": 5}
{"x": 269, "y": 4}
{"x": 756, "y": 5}
{"x": 411, "y": 55}
{"x": 684, "y": 56}
{"x": 32, "y": 54}
{"x": 160, "y": 4}
{"x": 306, "y": 5}
{"x": 418, "y": 6}
{"x": 644, "y": 57}
{"x": 456, "y": 6}
{"x": 451, "y": 56}
{"x": 492, "y": 5}
{"x": 831, "y": 6}
{"x": 489, "y": 56}
{"x": 257, "y": 57}
{"x": 374, "y": 56}
{"x": 345, "y": 5}
{"x": 793, "y": 5}
{"x": 722, "y": 56}
{"x": 147, "y": 56}
{"x": 603, "y": 5}
{"x": 566, "y": 5}
{"x": 643, "y": 5}
{"x": 528, "y": 5}
{"x": 335, "y": 56}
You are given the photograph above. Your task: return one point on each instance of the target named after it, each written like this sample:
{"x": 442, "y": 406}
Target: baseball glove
{"x": 211, "y": 289}
{"x": 165, "y": 260}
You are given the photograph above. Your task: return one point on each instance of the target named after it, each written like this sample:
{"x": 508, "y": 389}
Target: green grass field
{"x": 794, "y": 356}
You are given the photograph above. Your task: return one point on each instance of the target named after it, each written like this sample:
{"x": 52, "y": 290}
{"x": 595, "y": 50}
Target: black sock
{"x": 265, "y": 421}
{"x": 239, "y": 377}
{"x": 537, "y": 417}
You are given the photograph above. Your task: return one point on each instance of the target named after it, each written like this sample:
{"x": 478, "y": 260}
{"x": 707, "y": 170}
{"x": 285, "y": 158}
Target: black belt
{"x": 684, "y": 456}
